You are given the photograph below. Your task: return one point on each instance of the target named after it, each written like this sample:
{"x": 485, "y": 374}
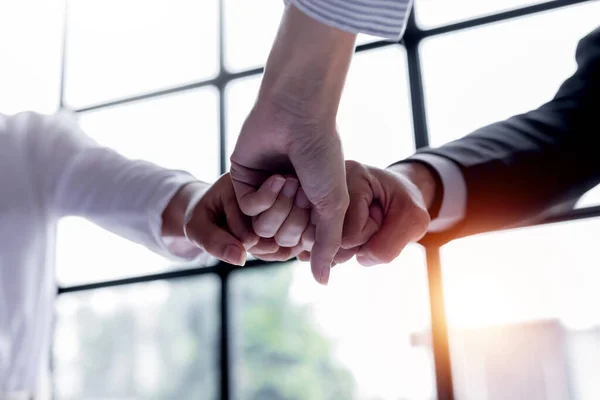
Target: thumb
{"x": 319, "y": 164}
{"x": 328, "y": 239}
{"x": 252, "y": 201}
{"x": 216, "y": 241}
{"x": 402, "y": 224}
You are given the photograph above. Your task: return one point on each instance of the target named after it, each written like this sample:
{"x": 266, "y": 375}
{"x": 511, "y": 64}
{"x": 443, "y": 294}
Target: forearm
{"x": 307, "y": 67}
{"x": 535, "y": 163}
{"x": 518, "y": 170}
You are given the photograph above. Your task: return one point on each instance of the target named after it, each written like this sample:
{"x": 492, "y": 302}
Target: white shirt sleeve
{"x": 78, "y": 177}
{"x": 454, "y": 202}
{"x": 383, "y": 18}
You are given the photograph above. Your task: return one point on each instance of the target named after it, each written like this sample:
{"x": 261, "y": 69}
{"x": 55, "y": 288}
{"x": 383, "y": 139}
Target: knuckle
{"x": 352, "y": 165}
{"x": 419, "y": 220}
{"x": 286, "y": 240}
{"x": 249, "y": 239}
{"x": 247, "y": 208}
{"x": 387, "y": 258}
{"x": 263, "y": 228}
{"x": 351, "y": 239}
{"x": 332, "y": 247}
{"x": 333, "y": 204}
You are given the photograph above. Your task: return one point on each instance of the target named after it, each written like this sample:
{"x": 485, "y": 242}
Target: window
{"x": 26, "y": 86}
{"x": 432, "y": 13}
{"x": 122, "y": 48}
{"x": 159, "y": 73}
{"x": 351, "y": 340}
{"x": 490, "y": 73}
{"x": 178, "y": 131}
{"x": 377, "y": 90}
{"x": 145, "y": 341}
{"x": 522, "y": 312}
{"x": 250, "y": 28}
{"x": 382, "y": 101}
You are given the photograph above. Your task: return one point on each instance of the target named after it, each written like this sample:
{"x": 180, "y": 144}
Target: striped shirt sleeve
{"x": 382, "y": 18}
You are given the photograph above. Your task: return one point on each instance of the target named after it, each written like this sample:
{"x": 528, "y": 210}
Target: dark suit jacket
{"x": 519, "y": 169}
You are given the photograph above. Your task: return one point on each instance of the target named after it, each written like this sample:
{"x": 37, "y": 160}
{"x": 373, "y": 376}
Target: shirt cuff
{"x": 454, "y": 201}
{"x": 381, "y": 18}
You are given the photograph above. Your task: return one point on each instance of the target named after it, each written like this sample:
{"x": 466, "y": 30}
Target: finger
{"x": 240, "y": 225}
{"x": 268, "y": 223}
{"x": 283, "y": 254}
{"x": 328, "y": 240}
{"x": 304, "y": 256}
{"x": 290, "y": 233}
{"x": 319, "y": 164}
{"x": 359, "y": 223}
{"x": 264, "y": 246}
{"x": 253, "y": 202}
{"x": 216, "y": 241}
{"x": 363, "y": 219}
{"x": 404, "y": 223}
{"x": 308, "y": 238}
{"x": 344, "y": 255}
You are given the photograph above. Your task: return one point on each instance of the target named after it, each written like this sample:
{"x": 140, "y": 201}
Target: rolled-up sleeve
{"x": 383, "y": 18}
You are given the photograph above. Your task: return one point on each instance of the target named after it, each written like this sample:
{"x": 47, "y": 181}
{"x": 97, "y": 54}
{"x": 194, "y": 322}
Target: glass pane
{"x": 374, "y": 118}
{"x": 482, "y": 75}
{"x": 240, "y": 96}
{"x": 250, "y": 28}
{"x": 179, "y": 132}
{"x": 31, "y": 48}
{"x": 431, "y": 13}
{"x": 119, "y": 48}
{"x": 294, "y": 339}
{"x": 522, "y": 306}
{"x": 147, "y": 341}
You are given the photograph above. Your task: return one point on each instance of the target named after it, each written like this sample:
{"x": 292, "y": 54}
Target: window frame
{"x": 411, "y": 41}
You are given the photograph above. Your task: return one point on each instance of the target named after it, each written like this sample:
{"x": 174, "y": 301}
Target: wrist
{"x": 424, "y": 179}
{"x": 175, "y": 214}
{"x": 307, "y": 67}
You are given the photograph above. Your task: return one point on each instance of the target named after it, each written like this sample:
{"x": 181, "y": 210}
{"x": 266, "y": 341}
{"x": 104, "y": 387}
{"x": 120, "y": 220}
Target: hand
{"x": 283, "y": 225}
{"x": 291, "y": 128}
{"x": 314, "y": 153}
{"x": 219, "y": 227}
{"x": 388, "y": 210}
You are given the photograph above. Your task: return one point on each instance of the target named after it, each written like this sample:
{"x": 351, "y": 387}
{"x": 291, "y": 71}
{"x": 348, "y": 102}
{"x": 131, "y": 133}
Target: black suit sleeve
{"x": 519, "y": 169}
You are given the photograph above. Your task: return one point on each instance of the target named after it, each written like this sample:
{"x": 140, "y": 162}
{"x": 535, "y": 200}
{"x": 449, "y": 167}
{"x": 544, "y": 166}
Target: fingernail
{"x": 277, "y": 184}
{"x": 301, "y": 200}
{"x": 234, "y": 255}
{"x": 290, "y": 188}
{"x": 325, "y": 275}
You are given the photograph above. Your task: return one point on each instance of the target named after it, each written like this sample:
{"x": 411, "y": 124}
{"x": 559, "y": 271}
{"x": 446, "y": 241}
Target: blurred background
{"x": 171, "y": 81}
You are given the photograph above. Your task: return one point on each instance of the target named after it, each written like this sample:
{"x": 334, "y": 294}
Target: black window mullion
{"x": 502, "y": 16}
{"x": 225, "y": 272}
{"x": 439, "y": 328}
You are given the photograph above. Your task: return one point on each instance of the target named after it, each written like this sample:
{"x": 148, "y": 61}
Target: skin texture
{"x": 387, "y": 210}
{"x": 291, "y": 129}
